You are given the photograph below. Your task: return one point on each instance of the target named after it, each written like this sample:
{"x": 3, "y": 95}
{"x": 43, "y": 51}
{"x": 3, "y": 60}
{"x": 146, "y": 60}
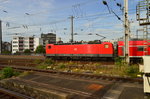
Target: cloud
{"x": 43, "y": 4}
{"x": 92, "y": 22}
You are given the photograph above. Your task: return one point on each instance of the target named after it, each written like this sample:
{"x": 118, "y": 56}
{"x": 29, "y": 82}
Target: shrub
{"x": 27, "y": 51}
{"x": 6, "y": 52}
{"x": 118, "y": 61}
{"x": 40, "y": 49}
{"x": 9, "y": 72}
{"x": 132, "y": 70}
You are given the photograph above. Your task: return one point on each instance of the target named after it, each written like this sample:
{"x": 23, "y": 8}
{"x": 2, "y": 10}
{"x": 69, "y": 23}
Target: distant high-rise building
{"x": 59, "y": 41}
{"x": 49, "y": 38}
{"x": 19, "y": 44}
{"x": 6, "y": 46}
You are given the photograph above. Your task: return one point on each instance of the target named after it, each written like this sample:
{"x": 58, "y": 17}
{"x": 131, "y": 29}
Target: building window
{"x": 106, "y": 46}
{"x": 15, "y": 45}
{"x": 20, "y": 41}
{"x": 15, "y": 42}
{"x": 14, "y": 38}
{"x": 140, "y": 48}
{"x": 25, "y": 45}
{"x": 15, "y": 49}
{"x": 26, "y": 42}
{"x": 26, "y": 38}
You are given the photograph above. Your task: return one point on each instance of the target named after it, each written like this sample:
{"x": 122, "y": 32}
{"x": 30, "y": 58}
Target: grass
{"x": 120, "y": 69}
{"x": 25, "y": 73}
{"x": 8, "y": 72}
{"x": 42, "y": 66}
{"x": 45, "y": 64}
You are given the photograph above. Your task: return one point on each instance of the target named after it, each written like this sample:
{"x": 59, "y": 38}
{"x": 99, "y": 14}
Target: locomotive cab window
{"x": 49, "y": 47}
{"x": 140, "y": 48}
{"x": 106, "y": 46}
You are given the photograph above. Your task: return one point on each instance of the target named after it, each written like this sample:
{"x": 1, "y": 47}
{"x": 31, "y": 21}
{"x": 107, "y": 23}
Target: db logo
{"x": 75, "y": 49}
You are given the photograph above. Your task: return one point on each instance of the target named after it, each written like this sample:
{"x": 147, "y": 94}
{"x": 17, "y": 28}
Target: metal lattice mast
{"x": 143, "y": 13}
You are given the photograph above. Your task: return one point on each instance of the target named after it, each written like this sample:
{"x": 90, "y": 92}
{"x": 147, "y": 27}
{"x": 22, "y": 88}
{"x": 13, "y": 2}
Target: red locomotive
{"x": 137, "y": 48}
{"x": 104, "y": 49}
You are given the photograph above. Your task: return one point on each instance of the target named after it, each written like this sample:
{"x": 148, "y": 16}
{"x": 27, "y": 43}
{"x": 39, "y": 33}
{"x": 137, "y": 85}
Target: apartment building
{"x": 6, "y": 46}
{"x": 19, "y": 44}
{"x": 49, "y": 38}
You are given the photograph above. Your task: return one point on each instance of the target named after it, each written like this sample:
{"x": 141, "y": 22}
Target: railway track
{"x": 31, "y": 61}
{"x": 7, "y": 94}
{"x": 79, "y": 75}
{"x": 24, "y": 64}
{"x": 45, "y": 76}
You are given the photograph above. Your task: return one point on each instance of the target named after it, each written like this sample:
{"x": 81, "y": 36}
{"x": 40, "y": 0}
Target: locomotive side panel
{"x": 82, "y": 50}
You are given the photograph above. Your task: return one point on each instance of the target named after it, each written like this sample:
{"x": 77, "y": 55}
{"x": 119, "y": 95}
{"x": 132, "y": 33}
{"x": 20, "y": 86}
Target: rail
{"x": 7, "y": 94}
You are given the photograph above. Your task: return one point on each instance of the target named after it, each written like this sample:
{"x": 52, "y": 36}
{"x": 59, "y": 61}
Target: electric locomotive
{"x": 102, "y": 50}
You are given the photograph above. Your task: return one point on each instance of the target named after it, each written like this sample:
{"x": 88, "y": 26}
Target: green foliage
{"x": 45, "y": 64}
{"x": 25, "y": 73}
{"x": 62, "y": 66}
{"x": 27, "y": 51}
{"x": 37, "y": 61}
{"x": 97, "y": 65}
{"x": 132, "y": 70}
{"x": 70, "y": 63}
{"x": 118, "y": 61}
{"x": 8, "y": 72}
{"x": 42, "y": 66}
{"x": 48, "y": 62}
{"x": 17, "y": 53}
{"x": 6, "y": 52}
{"x": 40, "y": 49}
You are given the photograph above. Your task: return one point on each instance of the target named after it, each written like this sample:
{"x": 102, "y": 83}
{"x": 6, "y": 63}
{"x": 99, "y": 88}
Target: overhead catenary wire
{"x": 55, "y": 22}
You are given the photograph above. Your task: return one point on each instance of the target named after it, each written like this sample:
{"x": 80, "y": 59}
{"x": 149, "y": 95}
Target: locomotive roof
{"x": 75, "y": 43}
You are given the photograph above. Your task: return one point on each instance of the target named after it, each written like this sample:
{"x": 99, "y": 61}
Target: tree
{"x": 40, "y": 49}
{"x": 6, "y": 52}
{"x": 27, "y": 51}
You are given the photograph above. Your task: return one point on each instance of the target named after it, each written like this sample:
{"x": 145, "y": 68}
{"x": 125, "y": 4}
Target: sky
{"x": 33, "y": 17}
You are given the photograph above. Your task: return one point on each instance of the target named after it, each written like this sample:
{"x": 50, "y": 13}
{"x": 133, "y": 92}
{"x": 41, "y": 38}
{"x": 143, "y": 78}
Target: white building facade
{"x": 19, "y": 44}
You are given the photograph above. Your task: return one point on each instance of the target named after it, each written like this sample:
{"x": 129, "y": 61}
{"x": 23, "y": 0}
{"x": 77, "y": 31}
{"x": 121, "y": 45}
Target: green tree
{"x": 40, "y": 49}
{"x": 6, "y": 52}
{"x": 27, "y": 51}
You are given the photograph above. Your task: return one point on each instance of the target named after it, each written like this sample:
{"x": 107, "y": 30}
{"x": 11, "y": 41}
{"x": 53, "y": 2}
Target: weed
{"x": 48, "y": 62}
{"x": 97, "y": 65}
{"x": 118, "y": 61}
{"x": 42, "y": 66}
{"x": 132, "y": 70}
{"x": 37, "y": 61}
{"x": 8, "y": 72}
{"x": 62, "y": 66}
